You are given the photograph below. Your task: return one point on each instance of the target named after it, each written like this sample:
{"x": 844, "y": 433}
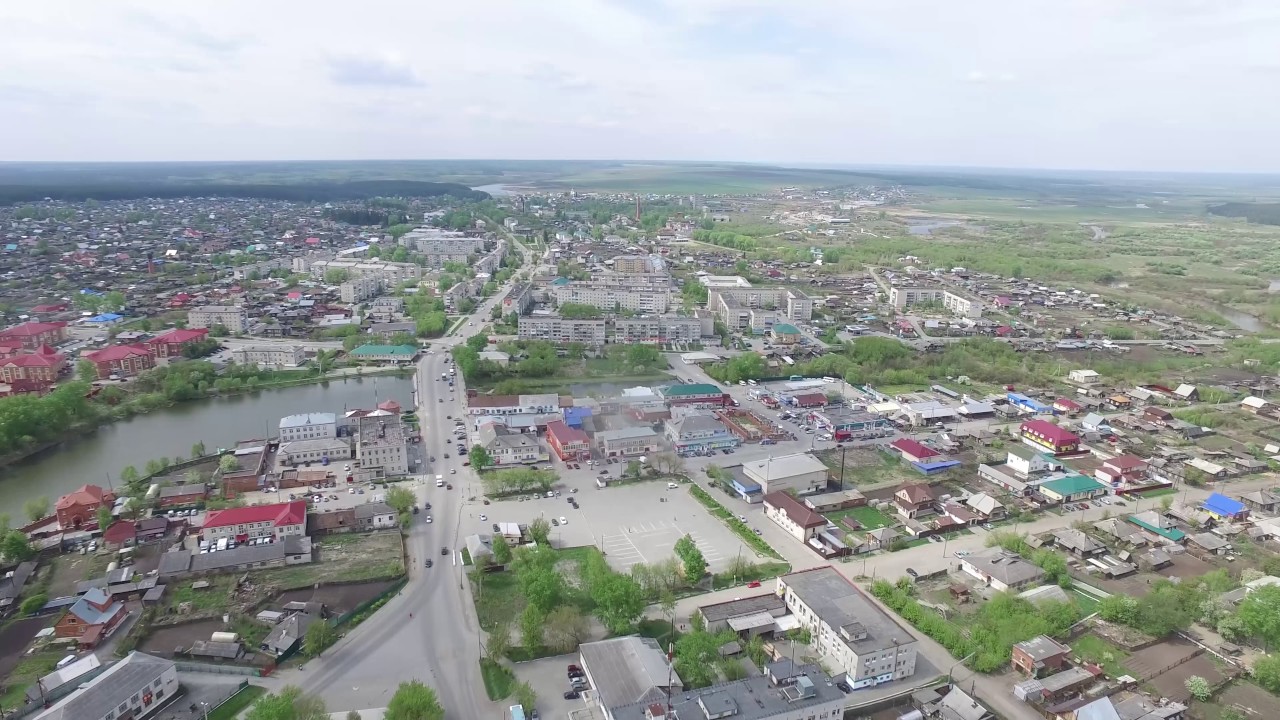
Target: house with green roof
{"x": 1072, "y": 488}
{"x": 696, "y": 395}
{"x": 385, "y": 353}
{"x": 785, "y": 334}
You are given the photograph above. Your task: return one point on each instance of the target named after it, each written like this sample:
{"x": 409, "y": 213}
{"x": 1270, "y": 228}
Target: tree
{"x": 16, "y": 546}
{"x": 695, "y": 565}
{"x": 1199, "y": 688}
{"x": 320, "y": 635}
{"x": 1260, "y": 613}
{"x": 228, "y": 463}
{"x": 129, "y": 475}
{"x": 36, "y": 508}
{"x": 104, "y": 517}
{"x": 86, "y": 371}
{"x": 540, "y": 530}
{"x": 288, "y": 704}
{"x": 619, "y": 602}
{"x": 634, "y": 468}
{"x": 531, "y": 620}
{"x": 113, "y": 301}
{"x": 501, "y": 550}
{"x": 643, "y": 355}
{"x": 480, "y": 458}
{"x": 353, "y": 715}
{"x": 565, "y": 628}
{"x": 498, "y": 642}
{"x": 478, "y": 342}
{"x": 697, "y": 653}
{"x": 1121, "y": 609}
{"x": 525, "y": 696}
{"x": 414, "y": 701}
{"x": 401, "y": 499}
{"x": 1266, "y": 670}
{"x": 1166, "y": 502}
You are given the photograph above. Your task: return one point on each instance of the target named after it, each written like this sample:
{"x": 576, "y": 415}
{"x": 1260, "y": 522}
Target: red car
{"x": 753, "y": 584}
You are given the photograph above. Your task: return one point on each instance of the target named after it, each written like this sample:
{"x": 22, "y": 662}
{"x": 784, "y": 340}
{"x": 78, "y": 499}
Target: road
{"x": 429, "y": 631}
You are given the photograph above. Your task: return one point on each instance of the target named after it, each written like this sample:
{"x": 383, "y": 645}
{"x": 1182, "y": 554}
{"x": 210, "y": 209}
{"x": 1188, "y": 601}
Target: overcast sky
{"x": 1092, "y": 84}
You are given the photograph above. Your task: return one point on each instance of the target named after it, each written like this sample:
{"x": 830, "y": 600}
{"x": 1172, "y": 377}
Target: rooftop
{"x": 304, "y": 419}
{"x": 114, "y": 686}
{"x": 784, "y": 466}
{"x": 692, "y": 390}
{"x": 380, "y": 431}
{"x": 741, "y": 606}
{"x": 628, "y": 433}
{"x": 795, "y": 510}
{"x": 1007, "y": 567}
{"x": 278, "y": 514}
{"x": 841, "y": 605}
{"x": 405, "y": 351}
{"x": 1072, "y": 485}
{"x": 628, "y": 670}
{"x": 1042, "y": 647}
{"x": 751, "y": 698}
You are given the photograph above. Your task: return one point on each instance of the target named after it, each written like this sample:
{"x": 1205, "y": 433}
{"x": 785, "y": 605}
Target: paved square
{"x": 648, "y": 542}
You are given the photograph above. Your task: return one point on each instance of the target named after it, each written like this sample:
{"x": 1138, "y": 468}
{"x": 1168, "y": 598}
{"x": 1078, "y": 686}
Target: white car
{"x": 564, "y": 520}
{"x": 484, "y": 518}
{"x": 428, "y": 518}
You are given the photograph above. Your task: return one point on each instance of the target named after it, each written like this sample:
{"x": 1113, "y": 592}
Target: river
{"x": 170, "y": 432}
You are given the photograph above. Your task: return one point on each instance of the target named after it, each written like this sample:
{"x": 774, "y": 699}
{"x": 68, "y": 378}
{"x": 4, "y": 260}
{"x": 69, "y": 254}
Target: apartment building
{"x": 554, "y": 328}
{"x": 519, "y": 299}
{"x": 380, "y": 443}
{"x": 234, "y": 319}
{"x": 276, "y": 521}
{"x": 121, "y": 360}
{"x": 392, "y": 272}
{"x": 31, "y": 335}
{"x": 359, "y": 289}
{"x": 320, "y": 450}
{"x": 649, "y": 299}
{"x": 639, "y": 264}
{"x": 756, "y": 309}
{"x": 510, "y": 447}
{"x": 270, "y": 356}
{"x": 848, "y": 628}
{"x": 902, "y": 297}
{"x": 435, "y": 242}
{"x": 656, "y": 329}
{"x": 962, "y": 305}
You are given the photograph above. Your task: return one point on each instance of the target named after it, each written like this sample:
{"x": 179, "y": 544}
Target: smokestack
{"x": 151, "y": 265}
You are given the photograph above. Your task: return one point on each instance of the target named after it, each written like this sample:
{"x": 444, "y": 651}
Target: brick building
{"x": 121, "y": 360}
{"x": 172, "y": 343}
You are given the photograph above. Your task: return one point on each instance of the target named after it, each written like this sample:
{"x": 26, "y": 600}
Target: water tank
{"x": 228, "y": 637}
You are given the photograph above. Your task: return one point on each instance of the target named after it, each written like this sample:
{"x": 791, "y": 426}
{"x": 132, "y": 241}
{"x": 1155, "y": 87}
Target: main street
{"x": 429, "y": 631}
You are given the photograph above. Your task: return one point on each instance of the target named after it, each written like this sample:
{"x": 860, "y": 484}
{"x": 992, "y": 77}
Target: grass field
{"x": 1096, "y": 650}
{"x": 498, "y": 680}
{"x": 869, "y": 517}
{"x": 25, "y": 674}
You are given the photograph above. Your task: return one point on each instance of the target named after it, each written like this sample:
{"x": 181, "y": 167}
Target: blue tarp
{"x": 105, "y": 318}
{"x": 1223, "y": 506}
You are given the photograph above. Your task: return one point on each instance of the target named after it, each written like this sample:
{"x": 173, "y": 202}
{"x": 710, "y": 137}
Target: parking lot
{"x": 549, "y": 678}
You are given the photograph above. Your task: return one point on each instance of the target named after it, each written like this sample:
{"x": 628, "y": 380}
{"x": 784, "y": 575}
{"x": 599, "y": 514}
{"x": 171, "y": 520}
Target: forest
{"x": 1264, "y": 213}
{"x": 296, "y": 192}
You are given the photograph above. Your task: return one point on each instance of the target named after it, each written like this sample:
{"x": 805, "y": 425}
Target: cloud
{"x": 356, "y": 71}
{"x": 1087, "y": 84}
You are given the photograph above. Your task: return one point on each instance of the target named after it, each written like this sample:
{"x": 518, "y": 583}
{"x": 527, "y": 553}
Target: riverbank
{"x": 126, "y": 410}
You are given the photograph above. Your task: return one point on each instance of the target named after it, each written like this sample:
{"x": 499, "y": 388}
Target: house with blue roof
{"x": 1224, "y": 508}
{"x": 91, "y": 619}
{"x": 105, "y": 319}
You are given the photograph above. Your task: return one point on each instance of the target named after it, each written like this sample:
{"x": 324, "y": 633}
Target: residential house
{"x": 1122, "y": 470}
{"x": 1027, "y": 461}
{"x": 1222, "y": 507}
{"x": 41, "y": 367}
{"x": 1001, "y": 569}
{"x": 569, "y": 443}
{"x": 121, "y": 360}
{"x": 1072, "y": 488}
{"x": 79, "y": 507}
{"x": 913, "y": 451}
{"x": 914, "y": 501}
{"x": 1067, "y": 406}
{"x": 375, "y": 516}
{"x": 881, "y": 538}
{"x": 91, "y": 619}
{"x": 1041, "y": 655}
{"x": 791, "y": 515}
{"x": 1093, "y": 422}
{"x": 1044, "y": 435}
{"x": 1262, "y": 500}
{"x": 1207, "y": 543}
{"x": 1084, "y": 377}
{"x": 287, "y": 634}
{"x": 1254, "y": 404}
{"x": 986, "y": 506}
{"x": 1078, "y": 543}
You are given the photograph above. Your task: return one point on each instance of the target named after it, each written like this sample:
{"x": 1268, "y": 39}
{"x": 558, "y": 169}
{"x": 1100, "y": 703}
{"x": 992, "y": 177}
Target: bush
{"x": 742, "y": 529}
{"x": 32, "y": 605}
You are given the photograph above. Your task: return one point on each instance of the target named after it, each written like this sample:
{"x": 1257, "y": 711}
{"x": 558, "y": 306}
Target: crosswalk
{"x": 651, "y": 541}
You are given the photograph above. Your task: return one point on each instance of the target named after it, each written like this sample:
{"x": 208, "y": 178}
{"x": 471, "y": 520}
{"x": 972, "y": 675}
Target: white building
{"x": 308, "y": 426}
{"x": 851, "y": 631}
{"x": 270, "y": 356}
{"x": 756, "y": 308}
{"x": 319, "y": 450}
{"x": 359, "y": 289}
{"x": 133, "y": 688}
{"x": 610, "y": 297}
{"x": 234, "y": 319}
{"x": 656, "y": 329}
{"x": 903, "y": 297}
{"x": 556, "y": 329}
{"x": 799, "y": 472}
{"x": 962, "y": 305}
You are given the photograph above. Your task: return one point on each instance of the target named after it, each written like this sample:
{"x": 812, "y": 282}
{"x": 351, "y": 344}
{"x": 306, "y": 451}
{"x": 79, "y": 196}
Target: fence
{"x": 188, "y": 666}
{"x": 357, "y": 610}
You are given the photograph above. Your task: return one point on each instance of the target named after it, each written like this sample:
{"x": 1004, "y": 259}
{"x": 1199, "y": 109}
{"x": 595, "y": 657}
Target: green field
{"x": 869, "y": 517}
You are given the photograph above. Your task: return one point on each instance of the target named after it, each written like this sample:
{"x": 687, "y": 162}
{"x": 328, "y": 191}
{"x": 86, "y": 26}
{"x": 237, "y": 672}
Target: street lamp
{"x": 957, "y": 664}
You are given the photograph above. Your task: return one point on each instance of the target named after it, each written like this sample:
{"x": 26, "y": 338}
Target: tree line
{"x": 297, "y": 192}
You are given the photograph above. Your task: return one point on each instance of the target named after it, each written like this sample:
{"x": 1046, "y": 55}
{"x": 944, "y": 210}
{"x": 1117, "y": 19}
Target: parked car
{"x": 913, "y": 573}
{"x": 572, "y": 695}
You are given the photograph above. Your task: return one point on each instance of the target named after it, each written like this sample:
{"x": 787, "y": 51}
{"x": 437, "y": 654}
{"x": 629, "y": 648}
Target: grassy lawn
{"x": 238, "y": 702}
{"x": 1158, "y": 493}
{"x": 1096, "y": 650}
{"x": 215, "y": 597}
{"x": 498, "y": 680}
{"x": 344, "y": 558}
{"x": 659, "y": 630}
{"x": 869, "y": 517}
{"x": 917, "y": 542}
{"x": 1086, "y": 602}
{"x": 26, "y": 673}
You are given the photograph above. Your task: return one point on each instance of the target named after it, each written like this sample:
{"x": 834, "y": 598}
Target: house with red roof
{"x": 42, "y": 366}
{"x": 913, "y": 450}
{"x": 809, "y": 400}
{"x": 275, "y": 522}
{"x": 801, "y": 522}
{"x": 1122, "y": 469}
{"x": 79, "y": 508}
{"x": 50, "y": 308}
{"x": 171, "y": 344}
{"x": 121, "y": 360}
{"x": 34, "y": 334}
{"x": 1067, "y": 406}
{"x": 1044, "y": 435}
{"x": 180, "y": 300}
{"x": 570, "y": 443}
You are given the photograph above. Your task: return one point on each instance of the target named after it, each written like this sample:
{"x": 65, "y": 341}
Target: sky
{"x": 1153, "y": 85}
